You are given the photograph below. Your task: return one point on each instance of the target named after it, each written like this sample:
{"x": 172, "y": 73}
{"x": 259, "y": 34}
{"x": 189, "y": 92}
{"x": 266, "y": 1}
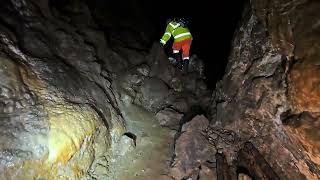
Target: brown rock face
{"x": 270, "y": 93}
{"x": 192, "y": 151}
{"x": 304, "y": 89}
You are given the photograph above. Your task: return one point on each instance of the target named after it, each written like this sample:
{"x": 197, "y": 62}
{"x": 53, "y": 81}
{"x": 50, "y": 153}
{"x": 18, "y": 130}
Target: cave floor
{"x": 151, "y": 157}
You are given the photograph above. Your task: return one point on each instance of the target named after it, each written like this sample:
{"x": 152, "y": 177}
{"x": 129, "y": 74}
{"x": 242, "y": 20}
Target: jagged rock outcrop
{"x": 192, "y": 151}
{"x": 269, "y": 95}
{"x": 156, "y": 84}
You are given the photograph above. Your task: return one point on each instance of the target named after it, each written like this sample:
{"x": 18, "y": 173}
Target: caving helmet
{"x": 182, "y": 21}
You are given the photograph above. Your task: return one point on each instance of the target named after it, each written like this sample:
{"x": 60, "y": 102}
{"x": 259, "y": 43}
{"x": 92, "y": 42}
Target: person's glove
{"x": 162, "y": 42}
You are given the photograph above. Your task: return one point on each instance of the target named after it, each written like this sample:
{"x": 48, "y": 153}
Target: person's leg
{"x": 186, "y": 53}
{"x": 176, "y": 47}
{"x": 186, "y": 44}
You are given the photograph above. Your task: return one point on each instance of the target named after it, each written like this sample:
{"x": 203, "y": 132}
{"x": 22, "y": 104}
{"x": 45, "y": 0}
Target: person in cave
{"x": 182, "y": 40}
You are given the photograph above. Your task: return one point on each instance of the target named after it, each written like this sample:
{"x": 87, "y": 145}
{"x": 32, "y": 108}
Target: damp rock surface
{"x": 45, "y": 134}
{"x": 58, "y": 113}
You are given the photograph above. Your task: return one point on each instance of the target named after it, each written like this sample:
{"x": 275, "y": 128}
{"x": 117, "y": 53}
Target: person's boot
{"x": 179, "y": 60}
{"x": 185, "y": 66}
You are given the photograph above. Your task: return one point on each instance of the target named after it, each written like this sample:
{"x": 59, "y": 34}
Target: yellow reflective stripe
{"x": 182, "y": 34}
{"x": 168, "y": 34}
{"x": 162, "y": 41}
{"x": 174, "y": 26}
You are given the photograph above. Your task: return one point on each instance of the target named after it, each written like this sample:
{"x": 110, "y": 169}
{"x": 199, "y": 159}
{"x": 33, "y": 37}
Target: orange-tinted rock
{"x": 304, "y": 87}
{"x": 306, "y": 134}
{"x": 45, "y": 136}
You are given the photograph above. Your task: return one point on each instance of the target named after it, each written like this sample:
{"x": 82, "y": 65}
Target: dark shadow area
{"x": 242, "y": 170}
{"x": 211, "y": 23}
{"x": 224, "y": 172}
{"x": 213, "y": 26}
{"x": 254, "y": 164}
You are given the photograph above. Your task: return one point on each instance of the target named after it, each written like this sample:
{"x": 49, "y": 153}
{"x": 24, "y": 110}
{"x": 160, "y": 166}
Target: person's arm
{"x": 166, "y": 36}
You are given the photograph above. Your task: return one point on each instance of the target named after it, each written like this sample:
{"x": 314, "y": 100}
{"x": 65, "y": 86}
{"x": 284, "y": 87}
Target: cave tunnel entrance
{"x": 212, "y": 25}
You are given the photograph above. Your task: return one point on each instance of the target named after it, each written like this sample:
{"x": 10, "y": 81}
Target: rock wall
{"x": 58, "y": 111}
{"x": 269, "y": 95}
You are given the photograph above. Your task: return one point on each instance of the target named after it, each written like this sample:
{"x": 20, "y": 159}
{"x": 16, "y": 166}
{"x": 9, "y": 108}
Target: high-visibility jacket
{"x": 178, "y": 32}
